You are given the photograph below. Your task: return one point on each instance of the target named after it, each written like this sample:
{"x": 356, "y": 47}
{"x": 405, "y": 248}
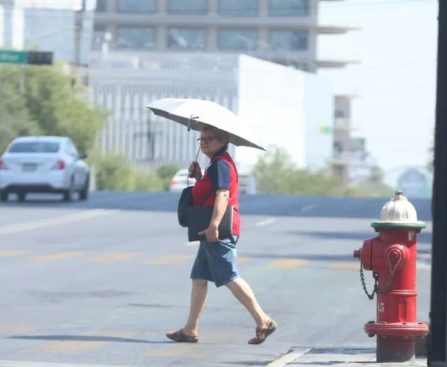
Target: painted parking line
{"x": 70, "y": 218}
{"x": 113, "y": 258}
{"x": 57, "y": 256}
{"x": 287, "y": 263}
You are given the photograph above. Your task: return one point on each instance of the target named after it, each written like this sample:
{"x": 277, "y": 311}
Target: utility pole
{"x": 79, "y": 27}
{"x": 437, "y": 356}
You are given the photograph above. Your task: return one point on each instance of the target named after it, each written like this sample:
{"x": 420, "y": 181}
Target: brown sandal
{"x": 180, "y": 337}
{"x": 262, "y": 334}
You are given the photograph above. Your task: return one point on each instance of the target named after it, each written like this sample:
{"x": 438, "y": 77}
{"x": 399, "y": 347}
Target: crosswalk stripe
{"x": 56, "y": 256}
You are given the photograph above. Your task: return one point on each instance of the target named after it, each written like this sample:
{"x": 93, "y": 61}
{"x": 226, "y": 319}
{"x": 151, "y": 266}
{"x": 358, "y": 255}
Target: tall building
{"x": 282, "y": 31}
{"x": 47, "y": 25}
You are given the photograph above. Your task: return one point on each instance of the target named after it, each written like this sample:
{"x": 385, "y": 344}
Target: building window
{"x": 289, "y": 7}
{"x": 101, "y": 6}
{"x": 238, "y": 39}
{"x": 135, "y": 37}
{"x": 187, "y": 38}
{"x": 188, "y": 6}
{"x": 137, "y": 6}
{"x": 243, "y": 8}
{"x": 283, "y": 39}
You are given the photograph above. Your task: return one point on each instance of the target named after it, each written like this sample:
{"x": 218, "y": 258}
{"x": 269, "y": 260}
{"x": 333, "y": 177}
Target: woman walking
{"x": 216, "y": 257}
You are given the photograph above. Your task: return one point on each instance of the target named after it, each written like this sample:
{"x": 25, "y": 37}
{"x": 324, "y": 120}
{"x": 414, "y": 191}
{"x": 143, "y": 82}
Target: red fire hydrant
{"x": 392, "y": 258}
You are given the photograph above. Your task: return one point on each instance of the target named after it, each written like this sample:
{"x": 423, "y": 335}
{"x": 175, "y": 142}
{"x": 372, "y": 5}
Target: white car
{"x": 181, "y": 180}
{"x": 43, "y": 164}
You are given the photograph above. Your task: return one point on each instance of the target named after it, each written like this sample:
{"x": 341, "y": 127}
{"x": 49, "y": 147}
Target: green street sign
{"x": 13, "y": 57}
{"x": 26, "y": 57}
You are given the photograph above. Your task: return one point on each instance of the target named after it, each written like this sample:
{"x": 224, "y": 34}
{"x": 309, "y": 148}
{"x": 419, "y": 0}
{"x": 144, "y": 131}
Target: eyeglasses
{"x": 206, "y": 140}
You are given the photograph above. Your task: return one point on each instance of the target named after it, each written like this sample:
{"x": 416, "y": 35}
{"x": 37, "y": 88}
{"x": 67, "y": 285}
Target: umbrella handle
{"x": 192, "y": 117}
{"x": 190, "y": 175}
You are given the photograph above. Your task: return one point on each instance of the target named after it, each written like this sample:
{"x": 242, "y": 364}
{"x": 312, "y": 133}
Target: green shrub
{"x": 166, "y": 172}
{"x": 114, "y": 173}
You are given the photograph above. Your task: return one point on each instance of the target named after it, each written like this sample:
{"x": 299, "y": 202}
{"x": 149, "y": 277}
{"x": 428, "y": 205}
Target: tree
{"x": 52, "y": 103}
{"x": 15, "y": 119}
{"x": 272, "y": 170}
{"x": 276, "y": 173}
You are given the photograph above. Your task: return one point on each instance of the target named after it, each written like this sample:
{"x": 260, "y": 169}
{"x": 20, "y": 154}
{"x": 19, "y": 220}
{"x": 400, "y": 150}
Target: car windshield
{"x": 34, "y": 147}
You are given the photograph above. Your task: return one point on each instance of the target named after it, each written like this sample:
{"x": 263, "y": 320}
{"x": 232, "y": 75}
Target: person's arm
{"x": 220, "y": 205}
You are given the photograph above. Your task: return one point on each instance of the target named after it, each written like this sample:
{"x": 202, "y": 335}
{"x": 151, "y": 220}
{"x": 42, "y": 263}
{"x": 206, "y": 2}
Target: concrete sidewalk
{"x": 337, "y": 357}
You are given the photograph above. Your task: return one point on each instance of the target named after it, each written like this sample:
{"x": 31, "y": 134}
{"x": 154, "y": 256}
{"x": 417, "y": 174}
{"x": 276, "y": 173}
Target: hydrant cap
{"x": 398, "y": 212}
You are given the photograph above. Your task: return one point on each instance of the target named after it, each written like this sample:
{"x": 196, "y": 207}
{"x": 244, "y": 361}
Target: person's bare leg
{"x": 245, "y": 295}
{"x": 199, "y": 293}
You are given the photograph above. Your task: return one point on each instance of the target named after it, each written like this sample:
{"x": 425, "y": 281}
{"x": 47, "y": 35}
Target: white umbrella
{"x": 194, "y": 113}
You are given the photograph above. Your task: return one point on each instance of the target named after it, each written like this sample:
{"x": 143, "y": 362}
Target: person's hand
{"x": 211, "y": 233}
{"x": 195, "y": 170}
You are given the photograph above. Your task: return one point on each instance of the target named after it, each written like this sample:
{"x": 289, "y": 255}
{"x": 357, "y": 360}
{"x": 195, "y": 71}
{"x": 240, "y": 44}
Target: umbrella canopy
{"x": 195, "y": 113}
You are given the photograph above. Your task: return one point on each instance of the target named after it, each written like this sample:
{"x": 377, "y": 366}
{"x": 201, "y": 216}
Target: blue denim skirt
{"x": 216, "y": 261}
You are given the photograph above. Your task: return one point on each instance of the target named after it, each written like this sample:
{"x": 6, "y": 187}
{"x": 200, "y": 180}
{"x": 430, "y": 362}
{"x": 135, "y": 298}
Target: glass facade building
{"x": 282, "y": 31}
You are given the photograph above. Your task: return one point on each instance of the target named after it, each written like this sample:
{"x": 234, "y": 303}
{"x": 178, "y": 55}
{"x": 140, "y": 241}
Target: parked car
{"x": 43, "y": 164}
{"x": 181, "y": 180}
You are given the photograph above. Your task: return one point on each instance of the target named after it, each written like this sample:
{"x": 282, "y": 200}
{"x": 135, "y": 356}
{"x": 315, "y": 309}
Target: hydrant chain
{"x": 362, "y": 278}
{"x": 387, "y": 285}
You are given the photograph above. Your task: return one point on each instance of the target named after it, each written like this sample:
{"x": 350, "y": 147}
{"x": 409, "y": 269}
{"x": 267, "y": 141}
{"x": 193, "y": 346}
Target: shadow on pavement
{"x": 85, "y": 338}
{"x": 273, "y": 205}
{"x": 424, "y": 236}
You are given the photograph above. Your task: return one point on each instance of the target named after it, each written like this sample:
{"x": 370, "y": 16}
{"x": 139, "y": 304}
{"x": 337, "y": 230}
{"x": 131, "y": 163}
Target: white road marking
{"x": 192, "y": 243}
{"x": 266, "y": 222}
{"x": 287, "y": 358}
{"x": 37, "y": 224}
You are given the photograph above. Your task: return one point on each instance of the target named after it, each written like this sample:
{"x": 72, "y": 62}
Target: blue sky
{"x": 395, "y": 82}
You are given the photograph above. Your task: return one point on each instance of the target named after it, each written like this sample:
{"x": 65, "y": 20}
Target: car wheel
{"x": 83, "y": 194}
{"x": 68, "y": 194}
{"x": 21, "y": 196}
{"x": 4, "y": 195}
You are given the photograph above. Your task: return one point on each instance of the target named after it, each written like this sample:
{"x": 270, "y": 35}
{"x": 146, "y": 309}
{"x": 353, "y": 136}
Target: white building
{"x": 282, "y": 106}
{"x": 46, "y": 25}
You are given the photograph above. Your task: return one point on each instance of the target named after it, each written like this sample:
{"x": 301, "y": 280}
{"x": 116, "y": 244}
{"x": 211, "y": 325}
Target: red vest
{"x": 203, "y": 192}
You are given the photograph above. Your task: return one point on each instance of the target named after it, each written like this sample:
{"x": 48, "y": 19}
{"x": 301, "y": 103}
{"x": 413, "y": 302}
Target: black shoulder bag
{"x": 197, "y": 218}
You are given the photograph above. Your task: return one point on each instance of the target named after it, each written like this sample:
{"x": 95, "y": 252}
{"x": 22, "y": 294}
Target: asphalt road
{"x": 100, "y": 282}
